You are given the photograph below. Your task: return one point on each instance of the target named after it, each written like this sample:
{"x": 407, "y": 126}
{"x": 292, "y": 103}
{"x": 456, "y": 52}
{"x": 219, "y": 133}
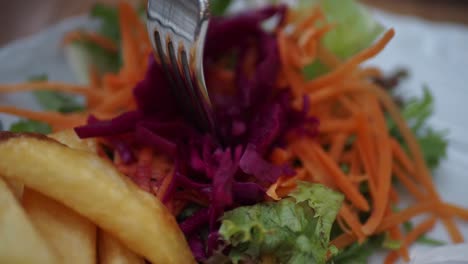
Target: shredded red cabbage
{"x": 252, "y": 121}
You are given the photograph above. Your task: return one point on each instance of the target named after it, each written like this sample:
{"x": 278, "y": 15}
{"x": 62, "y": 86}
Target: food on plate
{"x": 95, "y": 189}
{"x": 21, "y": 242}
{"x": 111, "y": 251}
{"x": 65, "y": 230}
{"x": 310, "y": 149}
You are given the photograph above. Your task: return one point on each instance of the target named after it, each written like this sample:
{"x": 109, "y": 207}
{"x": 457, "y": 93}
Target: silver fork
{"x": 177, "y": 29}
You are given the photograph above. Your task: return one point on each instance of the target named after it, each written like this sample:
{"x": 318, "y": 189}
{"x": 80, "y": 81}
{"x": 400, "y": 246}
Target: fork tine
{"x": 196, "y": 98}
{"x": 181, "y": 89}
{"x": 178, "y": 29}
{"x": 181, "y": 97}
{"x": 178, "y": 57}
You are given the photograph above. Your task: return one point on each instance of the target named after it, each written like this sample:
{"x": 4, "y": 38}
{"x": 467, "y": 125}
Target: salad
{"x": 314, "y": 149}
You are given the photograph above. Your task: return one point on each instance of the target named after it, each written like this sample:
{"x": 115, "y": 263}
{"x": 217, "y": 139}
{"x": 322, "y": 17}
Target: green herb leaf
{"x": 408, "y": 226}
{"x": 55, "y": 101}
{"x": 391, "y": 244}
{"x": 92, "y": 54}
{"x": 30, "y": 126}
{"x": 359, "y": 253}
{"x": 430, "y": 241}
{"x": 314, "y": 70}
{"x": 109, "y": 18}
{"x": 433, "y": 143}
{"x": 219, "y": 7}
{"x": 301, "y": 225}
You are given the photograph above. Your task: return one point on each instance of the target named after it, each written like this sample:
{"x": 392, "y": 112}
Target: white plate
{"x": 436, "y": 54}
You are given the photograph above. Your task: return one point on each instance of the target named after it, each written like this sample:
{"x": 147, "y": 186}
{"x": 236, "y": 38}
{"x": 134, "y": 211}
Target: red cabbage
{"x": 119, "y": 125}
{"x": 248, "y": 193}
{"x": 194, "y": 222}
{"x": 124, "y": 150}
{"x": 197, "y": 247}
{"x": 253, "y": 163}
{"x": 147, "y": 138}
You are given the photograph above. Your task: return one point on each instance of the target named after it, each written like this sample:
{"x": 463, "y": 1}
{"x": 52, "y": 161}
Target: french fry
{"x": 111, "y": 251}
{"x": 69, "y": 138}
{"x": 17, "y": 188}
{"x": 65, "y": 229}
{"x": 94, "y": 188}
{"x": 20, "y": 242}
{"x": 71, "y": 235}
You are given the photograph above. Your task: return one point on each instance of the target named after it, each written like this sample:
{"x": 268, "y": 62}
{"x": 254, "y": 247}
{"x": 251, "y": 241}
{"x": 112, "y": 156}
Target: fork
{"x": 177, "y": 29}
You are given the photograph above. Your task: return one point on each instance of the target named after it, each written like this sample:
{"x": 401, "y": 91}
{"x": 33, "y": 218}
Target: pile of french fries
{"x": 62, "y": 203}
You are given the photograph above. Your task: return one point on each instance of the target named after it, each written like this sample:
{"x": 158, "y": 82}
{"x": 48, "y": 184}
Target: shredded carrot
{"x": 51, "y": 86}
{"x": 342, "y": 182}
{"x": 412, "y": 236}
{"x": 344, "y": 240}
{"x": 353, "y": 222}
{"x": 338, "y": 146}
{"x": 330, "y": 126}
{"x": 57, "y": 121}
{"x": 458, "y": 211}
{"x": 405, "y": 215}
{"x": 400, "y": 155}
{"x": 351, "y": 64}
{"x": 164, "y": 186}
{"x": 384, "y": 172}
{"x": 92, "y": 37}
{"x": 408, "y": 183}
{"x": 422, "y": 171}
{"x": 331, "y": 93}
{"x": 327, "y": 57}
{"x": 396, "y": 235}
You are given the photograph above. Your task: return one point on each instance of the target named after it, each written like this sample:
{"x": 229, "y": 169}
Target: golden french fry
{"x": 69, "y": 138}
{"x": 71, "y": 235}
{"x": 20, "y": 242}
{"x": 111, "y": 251}
{"x": 17, "y": 188}
{"x": 94, "y": 188}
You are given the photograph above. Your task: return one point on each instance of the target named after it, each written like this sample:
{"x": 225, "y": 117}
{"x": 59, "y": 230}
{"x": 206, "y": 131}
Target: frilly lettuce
{"x": 293, "y": 230}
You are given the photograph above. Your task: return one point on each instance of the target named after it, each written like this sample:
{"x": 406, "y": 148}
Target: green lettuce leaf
{"x": 293, "y": 230}
{"x": 355, "y": 27}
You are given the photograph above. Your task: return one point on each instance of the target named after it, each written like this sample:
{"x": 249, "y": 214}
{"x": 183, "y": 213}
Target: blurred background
{"x": 22, "y": 18}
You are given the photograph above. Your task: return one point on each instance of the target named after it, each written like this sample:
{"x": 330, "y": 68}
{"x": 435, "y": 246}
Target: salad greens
{"x": 84, "y": 54}
{"x": 424, "y": 239}
{"x": 359, "y": 253}
{"x": 49, "y": 100}
{"x": 55, "y": 101}
{"x": 109, "y": 18}
{"x": 355, "y": 27}
{"x": 433, "y": 143}
{"x": 30, "y": 126}
{"x": 293, "y": 230}
{"x": 219, "y": 7}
